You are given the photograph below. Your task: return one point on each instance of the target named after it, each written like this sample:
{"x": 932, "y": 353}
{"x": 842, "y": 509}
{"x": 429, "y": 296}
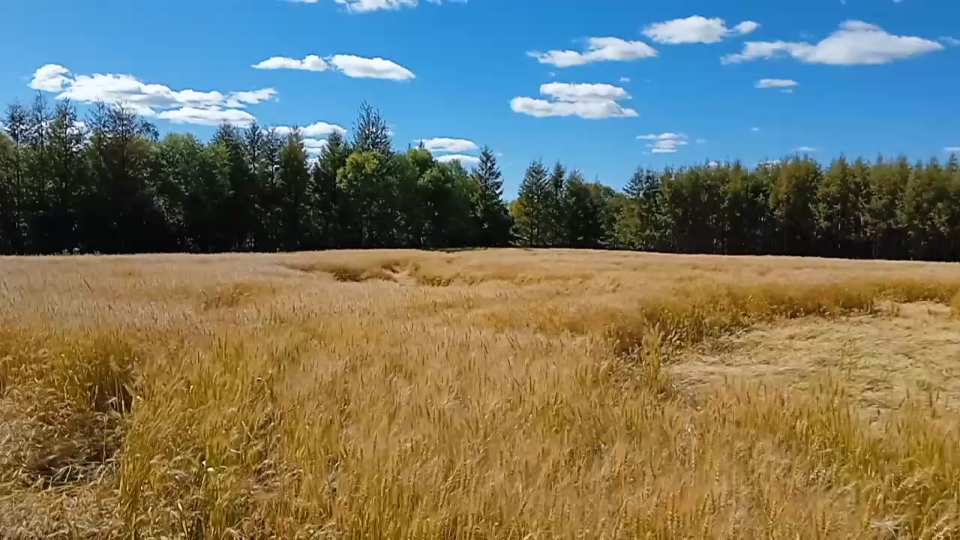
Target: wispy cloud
{"x": 599, "y": 49}
{"x": 665, "y": 143}
{"x": 856, "y": 42}
{"x": 365, "y": 6}
{"x": 348, "y": 64}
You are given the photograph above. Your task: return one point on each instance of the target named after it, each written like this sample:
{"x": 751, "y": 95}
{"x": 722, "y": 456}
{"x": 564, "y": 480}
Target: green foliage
{"x": 491, "y": 214}
{"x": 531, "y": 214}
{"x": 108, "y": 184}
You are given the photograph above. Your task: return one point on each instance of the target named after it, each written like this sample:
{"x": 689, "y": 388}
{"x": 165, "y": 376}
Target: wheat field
{"x": 501, "y": 394}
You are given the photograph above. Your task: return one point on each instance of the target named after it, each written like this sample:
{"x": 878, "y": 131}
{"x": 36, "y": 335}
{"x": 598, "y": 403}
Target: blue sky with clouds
{"x": 603, "y": 85}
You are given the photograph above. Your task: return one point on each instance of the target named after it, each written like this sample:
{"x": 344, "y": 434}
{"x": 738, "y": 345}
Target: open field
{"x": 489, "y": 394}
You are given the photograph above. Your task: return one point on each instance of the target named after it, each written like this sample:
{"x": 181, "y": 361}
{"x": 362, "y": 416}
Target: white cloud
{"x": 856, "y": 42}
{"x": 445, "y": 144}
{"x": 51, "y": 78}
{"x": 776, "y": 83}
{"x": 950, "y": 41}
{"x": 576, "y": 99}
{"x": 696, "y": 29}
{"x": 770, "y": 163}
{"x": 377, "y": 68}
{"x": 755, "y": 129}
{"x": 364, "y": 6}
{"x": 153, "y": 100}
{"x": 713, "y": 164}
{"x": 599, "y": 49}
{"x": 348, "y": 64}
{"x": 584, "y": 92}
{"x": 207, "y": 117}
{"x": 462, "y": 158}
{"x": 624, "y": 79}
{"x": 542, "y": 107}
{"x": 662, "y": 136}
{"x": 952, "y": 149}
{"x": 805, "y": 149}
{"x": 316, "y": 130}
{"x": 314, "y": 146}
{"x": 310, "y": 63}
{"x": 665, "y": 143}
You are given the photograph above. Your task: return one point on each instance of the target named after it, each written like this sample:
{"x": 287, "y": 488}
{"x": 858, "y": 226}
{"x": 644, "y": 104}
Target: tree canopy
{"x": 110, "y": 184}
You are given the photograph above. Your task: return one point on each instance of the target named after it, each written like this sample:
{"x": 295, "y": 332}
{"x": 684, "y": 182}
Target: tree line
{"x": 110, "y": 184}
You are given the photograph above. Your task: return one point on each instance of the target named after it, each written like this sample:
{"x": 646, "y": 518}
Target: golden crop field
{"x": 502, "y": 394}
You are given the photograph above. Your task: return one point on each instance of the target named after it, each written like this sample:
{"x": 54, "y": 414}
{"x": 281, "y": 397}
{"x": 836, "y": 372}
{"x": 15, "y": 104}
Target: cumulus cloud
{"x": 583, "y": 92}
{"x": 696, "y": 29}
{"x": 446, "y": 144}
{"x": 314, "y": 146}
{"x": 776, "y": 83}
{"x": 316, "y": 130}
{"x": 348, "y": 64}
{"x": 576, "y": 99}
{"x": 207, "y": 117}
{"x": 856, "y": 42}
{"x": 152, "y": 100}
{"x": 364, "y": 6}
{"x": 665, "y": 143}
{"x": 51, "y": 78}
{"x": 311, "y": 63}
{"x": 462, "y": 158}
{"x": 599, "y": 49}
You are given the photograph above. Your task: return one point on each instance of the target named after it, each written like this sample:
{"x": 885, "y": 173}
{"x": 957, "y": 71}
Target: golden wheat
{"x": 503, "y": 394}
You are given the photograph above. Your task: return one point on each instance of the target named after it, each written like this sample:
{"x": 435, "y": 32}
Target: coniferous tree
{"x": 554, "y": 205}
{"x": 530, "y": 213}
{"x": 18, "y": 211}
{"x": 582, "y": 223}
{"x": 324, "y": 195}
{"x": 489, "y": 210}
{"x": 793, "y": 199}
{"x": 68, "y": 178}
{"x": 294, "y": 180}
{"x": 110, "y": 185}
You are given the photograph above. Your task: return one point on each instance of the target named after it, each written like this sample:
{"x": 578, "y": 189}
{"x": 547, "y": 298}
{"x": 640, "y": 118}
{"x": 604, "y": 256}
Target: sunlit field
{"x": 506, "y": 394}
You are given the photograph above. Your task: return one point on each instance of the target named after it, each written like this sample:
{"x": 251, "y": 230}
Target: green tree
{"x": 793, "y": 199}
{"x": 530, "y": 214}
{"x": 17, "y": 210}
{"x": 583, "y": 222}
{"x": 69, "y": 177}
{"x": 324, "y": 194}
{"x": 120, "y": 215}
{"x": 554, "y": 205}
{"x": 489, "y": 210}
{"x": 294, "y": 178}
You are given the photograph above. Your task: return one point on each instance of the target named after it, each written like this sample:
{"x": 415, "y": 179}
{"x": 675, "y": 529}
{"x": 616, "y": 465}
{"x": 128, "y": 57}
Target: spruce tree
{"x": 531, "y": 215}
{"x": 491, "y": 213}
{"x": 294, "y": 180}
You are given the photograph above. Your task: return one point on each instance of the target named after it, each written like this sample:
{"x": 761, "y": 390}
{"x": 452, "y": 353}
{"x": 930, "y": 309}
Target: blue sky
{"x": 700, "y": 79}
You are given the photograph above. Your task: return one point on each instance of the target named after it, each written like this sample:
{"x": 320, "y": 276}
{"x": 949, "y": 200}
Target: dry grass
{"x": 497, "y": 394}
